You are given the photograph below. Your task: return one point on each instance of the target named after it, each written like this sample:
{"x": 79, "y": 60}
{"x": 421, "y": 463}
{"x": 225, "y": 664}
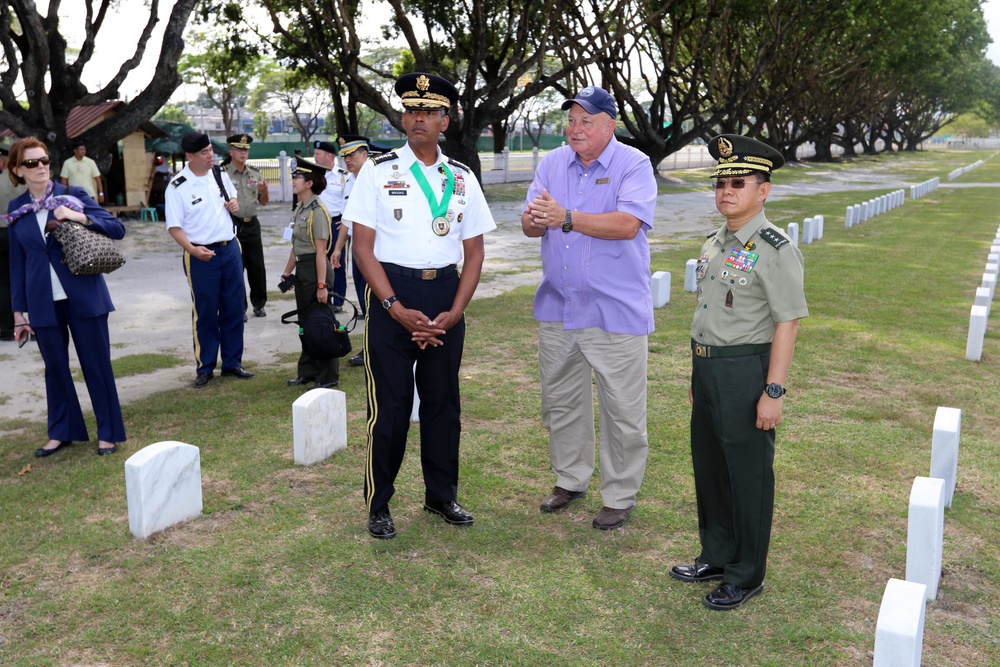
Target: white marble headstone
{"x": 925, "y": 533}
{"x": 808, "y": 230}
{"x": 690, "y": 277}
{"x": 162, "y": 487}
{"x": 990, "y": 283}
{"x": 661, "y": 288}
{"x": 849, "y": 217}
{"x": 818, "y": 231}
{"x": 319, "y": 425}
{"x": 983, "y": 299}
{"x": 977, "y": 332}
{"x": 944, "y": 449}
{"x": 899, "y": 631}
{"x": 793, "y": 232}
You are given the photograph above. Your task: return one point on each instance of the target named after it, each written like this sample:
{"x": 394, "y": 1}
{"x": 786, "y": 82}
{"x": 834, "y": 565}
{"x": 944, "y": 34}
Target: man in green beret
{"x": 750, "y": 301}
{"x": 251, "y": 190}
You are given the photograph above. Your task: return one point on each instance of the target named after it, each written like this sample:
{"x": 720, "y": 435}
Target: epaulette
{"x": 773, "y": 237}
{"x": 315, "y": 203}
{"x": 384, "y": 157}
{"x": 712, "y": 234}
{"x": 177, "y": 181}
{"x": 461, "y": 166}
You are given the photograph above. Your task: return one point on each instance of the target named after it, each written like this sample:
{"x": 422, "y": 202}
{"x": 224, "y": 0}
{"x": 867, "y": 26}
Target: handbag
{"x": 87, "y": 253}
{"x": 322, "y": 337}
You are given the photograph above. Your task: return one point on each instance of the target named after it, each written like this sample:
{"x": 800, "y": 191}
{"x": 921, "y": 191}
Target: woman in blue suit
{"x": 60, "y": 303}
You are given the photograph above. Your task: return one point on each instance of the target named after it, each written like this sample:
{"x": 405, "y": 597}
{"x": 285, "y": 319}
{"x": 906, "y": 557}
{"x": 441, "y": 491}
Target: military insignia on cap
{"x": 586, "y": 92}
{"x": 725, "y": 147}
{"x": 423, "y": 83}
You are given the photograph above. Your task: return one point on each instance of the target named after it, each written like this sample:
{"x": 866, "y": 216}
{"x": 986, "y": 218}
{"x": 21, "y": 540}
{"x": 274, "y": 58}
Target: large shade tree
{"x": 485, "y": 46}
{"x": 40, "y": 77}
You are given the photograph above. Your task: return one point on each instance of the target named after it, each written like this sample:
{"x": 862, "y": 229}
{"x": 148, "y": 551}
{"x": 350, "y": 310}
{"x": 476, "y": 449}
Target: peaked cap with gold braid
{"x": 739, "y": 156}
{"x": 420, "y": 90}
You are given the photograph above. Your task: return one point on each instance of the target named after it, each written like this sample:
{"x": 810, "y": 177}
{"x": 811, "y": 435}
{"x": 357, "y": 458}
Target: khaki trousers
{"x": 568, "y": 360}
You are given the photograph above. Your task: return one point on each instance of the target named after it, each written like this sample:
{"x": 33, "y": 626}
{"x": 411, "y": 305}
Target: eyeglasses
{"x": 734, "y": 183}
{"x": 31, "y": 164}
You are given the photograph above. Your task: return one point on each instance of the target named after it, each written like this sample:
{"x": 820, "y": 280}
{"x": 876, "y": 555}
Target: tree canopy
{"x": 40, "y": 77}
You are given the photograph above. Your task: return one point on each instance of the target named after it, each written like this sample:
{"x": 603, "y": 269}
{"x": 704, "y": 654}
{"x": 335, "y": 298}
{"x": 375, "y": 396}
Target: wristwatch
{"x": 568, "y": 225}
{"x": 387, "y": 304}
{"x": 774, "y": 390}
{"x": 321, "y": 286}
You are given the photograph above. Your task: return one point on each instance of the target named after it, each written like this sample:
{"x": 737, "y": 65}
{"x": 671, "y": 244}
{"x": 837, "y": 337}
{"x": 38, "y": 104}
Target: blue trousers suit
{"x": 83, "y": 314}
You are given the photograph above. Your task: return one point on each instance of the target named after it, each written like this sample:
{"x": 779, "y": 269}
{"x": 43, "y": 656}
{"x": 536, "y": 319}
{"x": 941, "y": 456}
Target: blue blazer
{"x": 31, "y": 254}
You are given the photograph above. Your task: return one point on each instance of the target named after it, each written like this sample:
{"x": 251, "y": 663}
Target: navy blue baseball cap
{"x": 594, "y": 100}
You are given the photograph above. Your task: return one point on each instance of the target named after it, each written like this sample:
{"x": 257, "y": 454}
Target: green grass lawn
{"x": 280, "y": 570}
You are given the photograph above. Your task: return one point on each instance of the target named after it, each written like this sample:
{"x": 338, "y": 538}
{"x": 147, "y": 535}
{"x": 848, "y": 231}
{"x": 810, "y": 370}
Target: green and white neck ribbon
{"x": 439, "y": 209}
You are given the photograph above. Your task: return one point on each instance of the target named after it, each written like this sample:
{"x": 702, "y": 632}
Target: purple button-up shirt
{"x": 591, "y": 282}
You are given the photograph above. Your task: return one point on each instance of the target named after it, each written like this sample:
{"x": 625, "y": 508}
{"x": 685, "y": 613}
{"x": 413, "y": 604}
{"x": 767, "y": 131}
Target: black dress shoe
{"x": 727, "y": 596}
{"x": 338, "y": 309}
{"x": 104, "y": 451}
{"x": 238, "y": 372}
{"x": 259, "y": 312}
{"x": 696, "y": 573}
{"x": 326, "y": 385}
{"x": 380, "y": 525}
{"x": 559, "y": 499}
{"x": 299, "y": 380}
{"x": 203, "y": 379}
{"x": 41, "y": 452}
{"x": 357, "y": 360}
{"x": 451, "y": 512}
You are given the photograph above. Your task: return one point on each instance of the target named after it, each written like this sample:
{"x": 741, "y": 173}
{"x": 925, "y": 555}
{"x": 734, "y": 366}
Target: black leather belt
{"x": 217, "y": 244}
{"x": 301, "y": 258}
{"x": 722, "y": 351}
{"x": 423, "y": 274}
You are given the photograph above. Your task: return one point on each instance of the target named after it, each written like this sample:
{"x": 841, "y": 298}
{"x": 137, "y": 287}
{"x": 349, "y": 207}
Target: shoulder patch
{"x": 177, "y": 181}
{"x": 461, "y": 166}
{"x": 773, "y": 237}
{"x": 384, "y": 157}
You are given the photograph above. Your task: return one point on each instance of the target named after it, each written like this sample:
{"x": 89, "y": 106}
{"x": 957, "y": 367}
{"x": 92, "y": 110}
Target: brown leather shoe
{"x": 609, "y": 519}
{"x": 559, "y": 499}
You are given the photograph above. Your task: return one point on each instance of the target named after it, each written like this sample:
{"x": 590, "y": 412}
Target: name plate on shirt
{"x": 602, "y": 181}
{"x": 287, "y": 235}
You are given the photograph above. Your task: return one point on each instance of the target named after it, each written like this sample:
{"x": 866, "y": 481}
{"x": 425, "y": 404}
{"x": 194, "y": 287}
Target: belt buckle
{"x": 701, "y": 351}
{"x": 247, "y": 219}
{"x": 428, "y": 274}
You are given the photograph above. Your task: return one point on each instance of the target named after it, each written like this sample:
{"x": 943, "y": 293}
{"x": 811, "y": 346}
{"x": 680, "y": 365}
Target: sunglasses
{"x": 734, "y": 183}
{"x": 31, "y": 164}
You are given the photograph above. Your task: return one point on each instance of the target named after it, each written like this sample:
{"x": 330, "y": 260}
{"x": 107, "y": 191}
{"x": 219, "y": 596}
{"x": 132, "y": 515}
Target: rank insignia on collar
{"x": 750, "y": 245}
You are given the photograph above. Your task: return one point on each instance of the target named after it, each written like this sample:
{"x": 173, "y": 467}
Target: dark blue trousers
{"x": 217, "y": 297}
{"x": 93, "y": 347}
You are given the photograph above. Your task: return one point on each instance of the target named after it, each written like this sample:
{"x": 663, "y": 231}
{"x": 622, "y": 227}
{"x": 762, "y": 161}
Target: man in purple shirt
{"x": 592, "y": 203}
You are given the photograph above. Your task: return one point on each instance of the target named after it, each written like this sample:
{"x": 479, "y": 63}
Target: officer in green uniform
{"x": 750, "y": 300}
{"x": 312, "y": 234}
{"x": 251, "y": 189}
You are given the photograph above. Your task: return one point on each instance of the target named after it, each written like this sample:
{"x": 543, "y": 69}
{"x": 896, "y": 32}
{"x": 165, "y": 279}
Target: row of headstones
{"x": 899, "y": 631}
{"x": 163, "y": 480}
{"x": 812, "y": 230}
{"x": 964, "y": 170}
{"x": 921, "y": 189}
{"x": 984, "y": 299}
{"x": 858, "y": 213}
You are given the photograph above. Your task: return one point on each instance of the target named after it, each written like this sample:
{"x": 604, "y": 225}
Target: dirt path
{"x": 154, "y": 307}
